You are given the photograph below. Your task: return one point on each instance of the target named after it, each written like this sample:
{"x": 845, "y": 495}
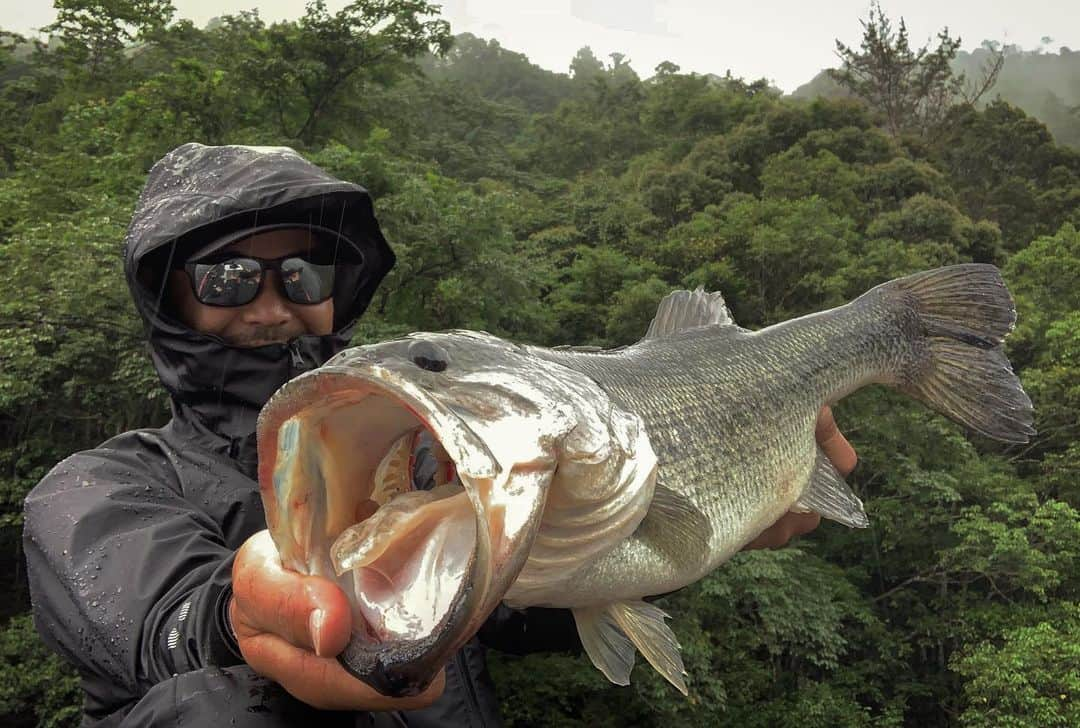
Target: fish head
{"x": 422, "y": 567}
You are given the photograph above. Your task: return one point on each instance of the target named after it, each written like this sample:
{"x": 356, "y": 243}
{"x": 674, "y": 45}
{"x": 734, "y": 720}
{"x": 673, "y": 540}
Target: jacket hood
{"x": 196, "y": 194}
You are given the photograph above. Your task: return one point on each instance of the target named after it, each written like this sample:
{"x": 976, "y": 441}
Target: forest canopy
{"x": 559, "y": 208}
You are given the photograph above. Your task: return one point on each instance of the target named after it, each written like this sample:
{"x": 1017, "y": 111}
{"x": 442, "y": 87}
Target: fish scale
{"x": 724, "y": 419}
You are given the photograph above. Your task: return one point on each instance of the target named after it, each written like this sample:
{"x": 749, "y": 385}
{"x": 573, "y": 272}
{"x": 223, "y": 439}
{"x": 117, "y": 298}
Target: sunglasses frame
{"x": 265, "y": 264}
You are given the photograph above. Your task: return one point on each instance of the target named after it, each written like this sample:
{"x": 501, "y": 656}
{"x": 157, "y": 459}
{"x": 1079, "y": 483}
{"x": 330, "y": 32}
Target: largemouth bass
{"x": 588, "y": 479}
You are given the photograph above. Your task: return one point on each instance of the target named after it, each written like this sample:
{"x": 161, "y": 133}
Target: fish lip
{"x": 404, "y": 666}
{"x": 400, "y": 670}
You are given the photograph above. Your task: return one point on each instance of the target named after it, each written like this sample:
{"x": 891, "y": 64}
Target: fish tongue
{"x": 396, "y": 525}
{"x": 412, "y": 603}
{"x": 409, "y": 560}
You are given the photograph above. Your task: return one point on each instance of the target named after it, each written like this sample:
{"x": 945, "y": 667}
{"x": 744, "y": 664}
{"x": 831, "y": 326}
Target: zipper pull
{"x": 298, "y": 364}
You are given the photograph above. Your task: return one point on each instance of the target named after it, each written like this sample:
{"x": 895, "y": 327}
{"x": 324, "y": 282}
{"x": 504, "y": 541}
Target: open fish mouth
{"x": 410, "y": 552}
{"x": 395, "y": 493}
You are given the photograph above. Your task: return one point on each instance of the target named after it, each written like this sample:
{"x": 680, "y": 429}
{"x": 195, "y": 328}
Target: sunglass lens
{"x": 307, "y": 282}
{"x": 233, "y": 282}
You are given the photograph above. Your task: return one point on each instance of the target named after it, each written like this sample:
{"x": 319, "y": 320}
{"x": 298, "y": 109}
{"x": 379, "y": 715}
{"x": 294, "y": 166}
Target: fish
{"x": 437, "y": 475}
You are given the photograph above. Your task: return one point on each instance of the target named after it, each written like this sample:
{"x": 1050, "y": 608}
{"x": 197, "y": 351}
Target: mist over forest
{"x": 560, "y": 208}
{"x": 1045, "y": 84}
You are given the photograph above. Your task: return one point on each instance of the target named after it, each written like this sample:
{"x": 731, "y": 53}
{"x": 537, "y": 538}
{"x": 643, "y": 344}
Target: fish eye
{"x": 428, "y": 355}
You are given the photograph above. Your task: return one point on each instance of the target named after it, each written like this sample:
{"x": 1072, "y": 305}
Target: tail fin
{"x": 963, "y": 314}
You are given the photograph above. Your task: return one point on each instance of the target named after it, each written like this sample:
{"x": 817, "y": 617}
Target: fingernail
{"x": 315, "y": 623}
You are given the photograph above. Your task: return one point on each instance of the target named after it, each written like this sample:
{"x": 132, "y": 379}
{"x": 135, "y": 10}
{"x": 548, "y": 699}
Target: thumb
{"x": 309, "y": 612}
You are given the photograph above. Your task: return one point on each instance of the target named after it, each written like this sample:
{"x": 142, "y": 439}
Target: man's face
{"x": 270, "y": 317}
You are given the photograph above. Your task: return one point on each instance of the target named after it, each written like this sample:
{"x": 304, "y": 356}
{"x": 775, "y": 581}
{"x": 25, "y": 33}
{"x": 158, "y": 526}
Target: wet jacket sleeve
{"x": 129, "y": 580}
{"x": 521, "y": 632}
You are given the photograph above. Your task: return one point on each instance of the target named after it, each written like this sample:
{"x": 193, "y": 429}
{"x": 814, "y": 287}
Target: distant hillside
{"x": 1045, "y": 85}
{"x": 499, "y": 74}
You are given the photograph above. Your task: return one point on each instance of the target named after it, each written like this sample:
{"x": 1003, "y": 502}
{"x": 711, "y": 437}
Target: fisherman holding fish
{"x": 150, "y": 566}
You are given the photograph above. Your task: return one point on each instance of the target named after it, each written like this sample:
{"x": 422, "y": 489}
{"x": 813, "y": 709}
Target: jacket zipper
{"x": 472, "y": 702}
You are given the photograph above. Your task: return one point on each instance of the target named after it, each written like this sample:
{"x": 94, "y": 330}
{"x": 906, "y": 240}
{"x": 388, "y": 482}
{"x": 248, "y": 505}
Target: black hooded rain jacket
{"x": 130, "y": 546}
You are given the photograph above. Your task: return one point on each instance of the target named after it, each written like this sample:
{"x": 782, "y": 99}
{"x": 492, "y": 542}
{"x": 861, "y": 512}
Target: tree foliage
{"x": 306, "y": 67}
{"x": 96, "y": 34}
{"x": 912, "y": 89}
{"x": 1030, "y": 676}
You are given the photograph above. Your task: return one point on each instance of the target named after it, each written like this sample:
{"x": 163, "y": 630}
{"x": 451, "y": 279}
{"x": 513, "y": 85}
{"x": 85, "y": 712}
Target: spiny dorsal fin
{"x": 610, "y": 633}
{"x": 828, "y": 494}
{"x": 682, "y": 310}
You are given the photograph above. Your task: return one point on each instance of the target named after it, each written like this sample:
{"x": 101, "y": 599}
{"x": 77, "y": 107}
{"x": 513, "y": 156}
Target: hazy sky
{"x": 786, "y": 41}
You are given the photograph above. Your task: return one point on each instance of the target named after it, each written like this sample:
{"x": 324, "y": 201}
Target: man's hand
{"x": 290, "y": 627}
{"x": 843, "y": 458}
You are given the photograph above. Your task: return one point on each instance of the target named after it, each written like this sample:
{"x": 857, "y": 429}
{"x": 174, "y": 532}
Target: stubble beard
{"x": 264, "y": 335}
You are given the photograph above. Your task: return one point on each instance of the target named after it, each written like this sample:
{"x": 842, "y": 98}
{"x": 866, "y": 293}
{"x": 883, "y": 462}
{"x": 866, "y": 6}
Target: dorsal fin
{"x": 682, "y": 310}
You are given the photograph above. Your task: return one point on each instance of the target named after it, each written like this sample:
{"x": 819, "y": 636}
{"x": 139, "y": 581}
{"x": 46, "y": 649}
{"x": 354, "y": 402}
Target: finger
{"x": 323, "y": 683}
{"x": 786, "y": 528}
{"x": 800, "y": 524}
{"x": 307, "y": 611}
{"x": 834, "y": 444}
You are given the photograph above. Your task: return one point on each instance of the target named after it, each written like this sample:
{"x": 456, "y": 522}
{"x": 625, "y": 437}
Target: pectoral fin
{"x": 610, "y": 633}
{"x": 675, "y": 526}
{"x": 829, "y": 495}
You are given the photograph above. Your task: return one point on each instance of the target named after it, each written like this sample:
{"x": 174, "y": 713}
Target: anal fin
{"x": 610, "y": 634}
{"x": 828, "y": 494}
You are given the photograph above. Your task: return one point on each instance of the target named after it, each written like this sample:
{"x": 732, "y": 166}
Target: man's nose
{"x": 269, "y": 307}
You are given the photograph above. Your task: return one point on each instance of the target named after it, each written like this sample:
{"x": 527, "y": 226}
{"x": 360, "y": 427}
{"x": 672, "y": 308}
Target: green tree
{"x": 1005, "y": 166}
{"x": 923, "y": 220}
{"x": 912, "y": 89}
{"x": 1029, "y": 677}
{"x": 593, "y": 289}
{"x": 307, "y": 67}
{"x": 1046, "y": 282}
{"x": 36, "y": 683}
{"x": 498, "y": 74}
{"x": 459, "y": 264}
{"x": 96, "y": 33}
{"x": 585, "y": 66}
{"x": 758, "y": 239}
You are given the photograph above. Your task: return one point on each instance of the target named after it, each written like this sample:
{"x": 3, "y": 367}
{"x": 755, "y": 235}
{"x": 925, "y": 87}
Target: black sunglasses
{"x": 236, "y": 281}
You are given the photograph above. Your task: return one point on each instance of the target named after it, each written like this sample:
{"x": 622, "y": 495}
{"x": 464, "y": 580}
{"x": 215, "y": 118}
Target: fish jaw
{"x": 429, "y": 566}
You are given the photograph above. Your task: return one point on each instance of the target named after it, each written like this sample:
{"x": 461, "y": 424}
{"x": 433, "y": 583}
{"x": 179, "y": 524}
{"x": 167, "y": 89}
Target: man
{"x": 150, "y": 568}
